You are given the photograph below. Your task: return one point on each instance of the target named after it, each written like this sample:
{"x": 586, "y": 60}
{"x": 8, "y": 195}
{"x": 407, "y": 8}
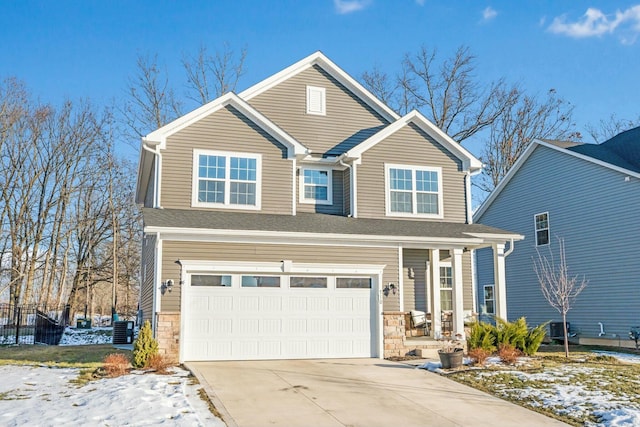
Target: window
{"x": 316, "y": 100}
{"x": 353, "y": 283}
{"x": 308, "y": 282}
{"x": 542, "y": 229}
{"x": 489, "y": 301}
{"x": 260, "y": 282}
{"x": 224, "y": 179}
{"x": 446, "y": 288}
{"x": 414, "y": 190}
{"x": 316, "y": 186}
{"x": 210, "y": 280}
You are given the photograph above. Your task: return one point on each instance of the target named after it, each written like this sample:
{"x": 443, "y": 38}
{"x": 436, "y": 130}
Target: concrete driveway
{"x": 350, "y": 392}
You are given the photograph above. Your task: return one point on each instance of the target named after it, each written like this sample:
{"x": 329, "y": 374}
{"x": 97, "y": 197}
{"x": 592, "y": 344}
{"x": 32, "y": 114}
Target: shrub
{"x": 512, "y": 333}
{"x": 534, "y": 339}
{"x": 144, "y": 347}
{"x": 116, "y": 365}
{"x": 158, "y": 363}
{"x": 508, "y": 353}
{"x": 479, "y": 355}
{"x": 482, "y": 335}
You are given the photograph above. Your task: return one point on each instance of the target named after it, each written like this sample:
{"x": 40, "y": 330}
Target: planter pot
{"x": 451, "y": 359}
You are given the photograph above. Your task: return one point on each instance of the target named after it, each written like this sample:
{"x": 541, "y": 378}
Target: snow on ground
{"x": 44, "y": 397}
{"x": 72, "y": 336}
{"x": 567, "y": 395}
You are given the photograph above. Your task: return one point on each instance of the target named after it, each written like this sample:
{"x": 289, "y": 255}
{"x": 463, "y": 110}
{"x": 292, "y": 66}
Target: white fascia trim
{"x": 190, "y": 266}
{"x": 157, "y": 280}
{"x": 336, "y": 72}
{"x": 470, "y": 162}
{"x": 494, "y": 237}
{"x": 159, "y": 136}
{"x": 179, "y": 233}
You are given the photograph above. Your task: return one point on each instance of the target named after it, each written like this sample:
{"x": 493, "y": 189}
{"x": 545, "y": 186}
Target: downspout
{"x": 158, "y": 168}
{"x": 508, "y": 252}
{"x": 351, "y": 170}
{"x": 294, "y": 195}
{"x": 467, "y": 187}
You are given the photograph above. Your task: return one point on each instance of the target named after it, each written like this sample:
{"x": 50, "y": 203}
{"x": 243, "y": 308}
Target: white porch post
{"x": 434, "y": 276}
{"x": 458, "y": 296}
{"x": 499, "y": 278}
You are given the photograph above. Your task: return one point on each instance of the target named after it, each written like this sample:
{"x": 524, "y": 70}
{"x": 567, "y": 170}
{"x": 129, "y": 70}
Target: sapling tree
{"x": 558, "y": 287}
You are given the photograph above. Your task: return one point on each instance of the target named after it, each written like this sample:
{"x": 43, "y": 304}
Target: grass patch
{"x": 72, "y": 356}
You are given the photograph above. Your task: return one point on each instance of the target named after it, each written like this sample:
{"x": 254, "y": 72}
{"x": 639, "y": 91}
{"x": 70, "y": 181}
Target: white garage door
{"x": 249, "y": 316}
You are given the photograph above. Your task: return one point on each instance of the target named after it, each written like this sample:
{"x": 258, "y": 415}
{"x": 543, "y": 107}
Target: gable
{"x": 346, "y": 122}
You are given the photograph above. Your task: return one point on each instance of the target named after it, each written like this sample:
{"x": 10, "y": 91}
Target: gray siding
{"x": 337, "y": 208}
{"x": 148, "y": 271}
{"x": 148, "y": 196}
{"x": 226, "y": 129}
{"x": 348, "y": 121}
{"x": 409, "y": 146}
{"x": 173, "y": 250}
{"x": 596, "y": 212}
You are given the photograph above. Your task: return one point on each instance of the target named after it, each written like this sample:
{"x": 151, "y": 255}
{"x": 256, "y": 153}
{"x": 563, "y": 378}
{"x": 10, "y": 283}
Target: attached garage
{"x": 257, "y": 311}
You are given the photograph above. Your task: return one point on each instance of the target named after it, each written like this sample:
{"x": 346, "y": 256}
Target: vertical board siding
{"x": 228, "y": 130}
{"x": 409, "y": 146}
{"x": 596, "y": 212}
{"x": 174, "y": 250}
{"x": 336, "y": 208}
{"x": 148, "y": 271}
{"x": 348, "y": 121}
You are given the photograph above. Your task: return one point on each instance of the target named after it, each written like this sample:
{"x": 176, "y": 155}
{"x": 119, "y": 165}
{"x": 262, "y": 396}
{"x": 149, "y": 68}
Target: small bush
{"x": 512, "y": 333}
{"x": 116, "y": 365}
{"x": 479, "y": 355}
{"x": 534, "y": 339}
{"x": 509, "y": 354}
{"x": 144, "y": 347}
{"x": 482, "y": 335}
{"x": 158, "y": 363}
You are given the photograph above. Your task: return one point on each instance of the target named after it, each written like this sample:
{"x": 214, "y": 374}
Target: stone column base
{"x": 168, "y": 335}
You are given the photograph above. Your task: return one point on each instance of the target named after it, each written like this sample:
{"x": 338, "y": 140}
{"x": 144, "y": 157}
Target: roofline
{"x": 525, "y": 155}
{"x": 159, "y": 136}
{"x": 318, "y": 58}
{"x": 469, "y": 160}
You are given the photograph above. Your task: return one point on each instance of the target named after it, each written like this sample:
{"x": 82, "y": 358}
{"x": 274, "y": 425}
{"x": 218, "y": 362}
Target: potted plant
{"x": 451, "y": 354}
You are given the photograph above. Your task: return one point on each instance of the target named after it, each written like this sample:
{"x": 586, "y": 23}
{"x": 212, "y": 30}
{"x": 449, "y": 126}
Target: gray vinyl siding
{"x": 409, "y": 146}
{"x": 336, "y": 208}
{"x": 228, "y": 130}
{"x": 348, "y": 120}
{"x": 148, "y": 196}
{"x": 596, "y": 212}
{"x": 174, "y": 250}
{"x": 148, "y": 271}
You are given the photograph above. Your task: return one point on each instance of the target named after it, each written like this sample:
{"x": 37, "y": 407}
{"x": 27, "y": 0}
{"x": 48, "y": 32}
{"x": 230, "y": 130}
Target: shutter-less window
{"x": 316, "y": 100}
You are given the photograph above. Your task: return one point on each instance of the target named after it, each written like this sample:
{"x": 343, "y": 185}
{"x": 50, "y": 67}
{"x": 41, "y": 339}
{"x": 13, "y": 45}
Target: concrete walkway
{"x": 350, "y": 392}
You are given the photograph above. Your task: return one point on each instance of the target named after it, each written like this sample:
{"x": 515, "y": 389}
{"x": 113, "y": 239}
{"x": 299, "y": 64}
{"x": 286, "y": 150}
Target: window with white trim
{"x": 353, "y": 282}
{"x": 414, "y": 191}
{"x": 542, "y": 228}
{"x": 489, "y": 300}
{"x": 316, "y": 100}
{"x": 260, "y": 282}
{"x": 226, "y": 179}
{"x": 446, "y": 288}
{"x": 316, "y": 185}
{"x": 211, "y": 280}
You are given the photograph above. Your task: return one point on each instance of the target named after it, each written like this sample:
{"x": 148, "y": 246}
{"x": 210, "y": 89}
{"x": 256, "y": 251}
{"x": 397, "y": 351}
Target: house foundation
{"x": 168, "y": 335}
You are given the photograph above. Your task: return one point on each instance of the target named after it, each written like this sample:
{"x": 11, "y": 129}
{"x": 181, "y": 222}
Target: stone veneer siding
{"x": 168, "y": 335}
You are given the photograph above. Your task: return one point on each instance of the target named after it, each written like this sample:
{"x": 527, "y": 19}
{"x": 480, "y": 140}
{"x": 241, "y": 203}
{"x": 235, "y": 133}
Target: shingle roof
{"x": 313, "y": 223}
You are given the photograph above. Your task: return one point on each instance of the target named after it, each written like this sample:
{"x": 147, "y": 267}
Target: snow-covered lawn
{"x": 589, "y": 392}
{"x": 44, "y": 396}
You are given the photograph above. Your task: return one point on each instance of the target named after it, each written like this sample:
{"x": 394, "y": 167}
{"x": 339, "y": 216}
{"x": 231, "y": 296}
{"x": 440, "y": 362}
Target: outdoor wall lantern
{"x": 166, "y": 286}
{"x": 389, "y": 288}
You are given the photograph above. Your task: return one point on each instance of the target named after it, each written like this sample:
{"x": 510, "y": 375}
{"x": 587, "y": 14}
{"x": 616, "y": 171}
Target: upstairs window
{"x": 542, "y": 229}
{"x": 316, "y": 186}
{"x": 316, "y": 100}
{"x": 414, "y": 190}
{"x": 225, "y": 179}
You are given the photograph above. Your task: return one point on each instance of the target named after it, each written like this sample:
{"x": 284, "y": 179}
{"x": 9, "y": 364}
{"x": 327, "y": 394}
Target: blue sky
{"x": 588, "y": 51}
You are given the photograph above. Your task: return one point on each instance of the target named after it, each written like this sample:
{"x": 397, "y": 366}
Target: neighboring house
{"x": 303, "y": 218}
{"x": 588, "y": 195}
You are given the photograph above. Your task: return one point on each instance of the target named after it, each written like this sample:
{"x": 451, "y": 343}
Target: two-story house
{"x": 303, "y": 218}
{"x": 589, "y": 196}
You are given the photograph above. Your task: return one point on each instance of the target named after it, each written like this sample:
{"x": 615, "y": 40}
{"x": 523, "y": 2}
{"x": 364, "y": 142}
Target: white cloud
{"x": 596, "y": 23}
{"x": 348, "y": 6}
{"x": 489, "y": 13}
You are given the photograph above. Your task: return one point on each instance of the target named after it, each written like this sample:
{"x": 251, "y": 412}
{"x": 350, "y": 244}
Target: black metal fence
{"x": 31, "y": 324}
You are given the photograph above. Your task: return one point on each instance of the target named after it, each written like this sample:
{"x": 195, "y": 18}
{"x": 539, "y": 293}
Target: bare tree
{"x": 610, "y": 127}
{"x": 558, "y": 287}
{"x": 523, "y": 119}
{"x": 210, "y": 76}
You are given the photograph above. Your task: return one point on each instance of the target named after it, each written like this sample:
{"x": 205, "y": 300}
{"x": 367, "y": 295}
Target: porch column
{"x": 434, "y": 278}
{"x": 499, "y": 277}
{"x": 458, "y": 292}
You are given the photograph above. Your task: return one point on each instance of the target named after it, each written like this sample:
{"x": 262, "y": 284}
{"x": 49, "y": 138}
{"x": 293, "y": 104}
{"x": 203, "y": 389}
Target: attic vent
{"x": 316, "y": 100}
